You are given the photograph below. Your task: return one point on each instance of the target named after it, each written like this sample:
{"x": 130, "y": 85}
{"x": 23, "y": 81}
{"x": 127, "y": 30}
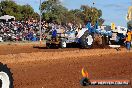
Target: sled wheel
{"x": 52, "y": 46}
{"x": 86, "y": 40}
{"x": 48, "y": 46}
{"x": 63, "y": 44}
{"x": 6, "y": 79}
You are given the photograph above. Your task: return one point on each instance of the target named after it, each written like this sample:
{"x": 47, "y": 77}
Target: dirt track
{"x": 42, "y": 68}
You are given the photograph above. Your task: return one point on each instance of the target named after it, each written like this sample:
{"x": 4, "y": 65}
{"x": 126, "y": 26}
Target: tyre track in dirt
{"x": 42, "y": 68}
{"x": 66, "y": 73}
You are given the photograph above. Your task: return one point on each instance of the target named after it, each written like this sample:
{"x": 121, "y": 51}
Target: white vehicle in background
{"x": 118, "y": 35}
{"x": 120, "y": 29}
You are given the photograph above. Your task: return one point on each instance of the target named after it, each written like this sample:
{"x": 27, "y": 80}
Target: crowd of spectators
{"x": 22, "y": 30}
{"x": 29, "y": 30}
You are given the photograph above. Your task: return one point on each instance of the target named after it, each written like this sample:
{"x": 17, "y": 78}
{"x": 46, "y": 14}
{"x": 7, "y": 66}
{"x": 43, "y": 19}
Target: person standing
{"x": 128, "y": 39}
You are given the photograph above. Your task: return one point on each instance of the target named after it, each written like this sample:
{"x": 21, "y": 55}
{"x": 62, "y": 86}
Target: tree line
{"x": 21, "y": 12}
{"x": 52, "y": 11}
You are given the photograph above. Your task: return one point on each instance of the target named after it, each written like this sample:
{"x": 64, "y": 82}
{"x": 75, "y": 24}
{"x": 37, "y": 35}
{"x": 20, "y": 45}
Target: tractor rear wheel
{"x": 6, "y": 79}
{"x": 86, "y": 40}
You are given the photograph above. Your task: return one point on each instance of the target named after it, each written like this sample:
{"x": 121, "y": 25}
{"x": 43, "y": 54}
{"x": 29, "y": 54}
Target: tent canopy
{"x": 7, "y": 17}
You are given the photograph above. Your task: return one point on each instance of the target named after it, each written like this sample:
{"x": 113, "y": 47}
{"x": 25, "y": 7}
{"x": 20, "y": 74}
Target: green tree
{"x": 27, "y": 11}
{"x": 21, "y": 12}
{"x": 90, "y": 13}
{"x": 36, "y": 16}
{"x": 101, "y": 21}
{"x": 8, "y": 7}
{"x": 52, "y": 10}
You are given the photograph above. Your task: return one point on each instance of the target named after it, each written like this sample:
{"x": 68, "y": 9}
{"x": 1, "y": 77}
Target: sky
{"x": 113, "y": 10}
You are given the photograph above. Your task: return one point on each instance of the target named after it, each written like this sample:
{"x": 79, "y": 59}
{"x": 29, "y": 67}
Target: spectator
{"x": 128, "y": 40}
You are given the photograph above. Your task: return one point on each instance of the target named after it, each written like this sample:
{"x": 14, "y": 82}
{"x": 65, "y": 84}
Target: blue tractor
{"x": 85, "y": 37}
